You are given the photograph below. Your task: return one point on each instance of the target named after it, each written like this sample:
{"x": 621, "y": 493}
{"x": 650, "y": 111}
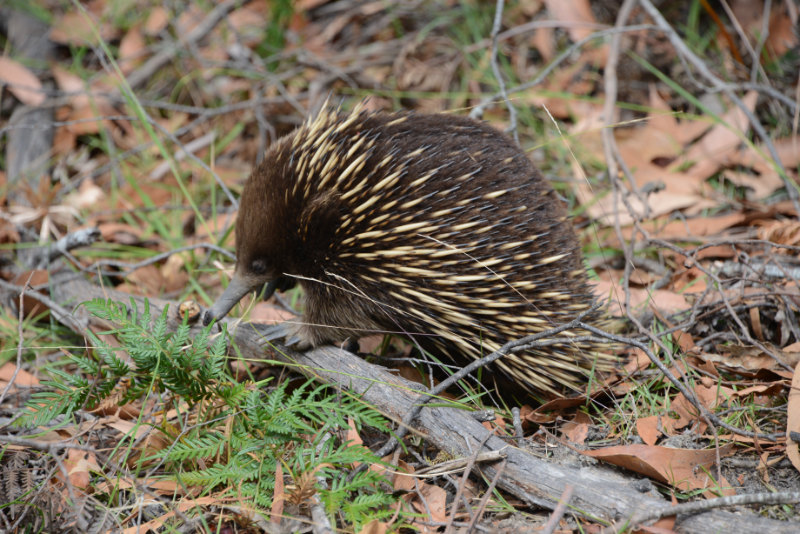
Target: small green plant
{"x": 231, "y": 438}
{"x": 159, "y": 361}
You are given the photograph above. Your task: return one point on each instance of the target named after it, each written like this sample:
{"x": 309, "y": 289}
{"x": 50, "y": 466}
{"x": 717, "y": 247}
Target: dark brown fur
{"x": 476, "y": 272}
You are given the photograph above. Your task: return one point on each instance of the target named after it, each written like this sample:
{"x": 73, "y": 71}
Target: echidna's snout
{"x": 237, "y": 288}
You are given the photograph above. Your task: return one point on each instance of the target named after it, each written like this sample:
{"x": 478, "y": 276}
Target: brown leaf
{"x": 179, "y": 509}
{"x": 189, "y": 19}
{"x": 266, "y": 313}
{"x": 662, "y": 118}
{"x": 667, "y": 302}
{"x": 578, "y": 429}
{"x": 403, "y": 478}
{"x": 793, "y": 419}
{"x": 576, "y": 15}
{"x": 352, "y": 436}
{"x": 435, "y": 502}
{"x": 76, "y": 28}
{"x": 639, "y": 362}
{"x": 90, "y": 119}
{"x": 174, "y": 273}
{"x": 22, "y": 83}
{"x": 131, "y": 50}
{"x": 695, "y": 227}
{"x": 707, "y": 395}
{"x": 374, "y": 527}
{"x": 684, "y": 340}
{"x": 665, "y": 525}
{"x": 743, "y": 360}
{"x": 759, "y": 186}
{"x": 23, "y": 378}
{"x": 121, "y": 233}
{"x": 684, "y": 469}
{"x": 278, "y": 496}
{"x": 550, "y": 410}
{"x": 147, "y": 280}
{"x": 308, "y": 4}
{"x": 64, "y": 143}
{"x": 715, "y": 147}
{"x": 79, "y": 464}
{"x": 783, "y": 232}
{"x": 647, "y": 428}
{"x": 782, "y": 35}
{"x": 87, "y": 195}
{"x": 691, "y": 280}
{"x": 30, "y": 306}
{"x": 156, "y": 21}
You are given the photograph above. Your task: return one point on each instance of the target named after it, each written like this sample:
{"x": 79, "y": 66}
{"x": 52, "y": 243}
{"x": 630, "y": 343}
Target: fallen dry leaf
{"x": 577, "y": 430}
{"x": 667, "y": 302}
{"x": 712, "y": 150}
{"x": 743, "y": 360}
{"x": 577, "y": 17}
{"x": 22, "y": 83}
{"x": 782, "y": 232}
{"x": 30, "y": 306}
{"x": 77, "y": 28}
{"x": 683, "y": 469}
{"x": 707, "y": 396}
{"x": 79, "y": 465}
{"x": 352, "y": 437}
{"x": 131, "y": 50}
{"x": 181, "y": 507}
{"x": 266, "y": 313}
{"x": 404, "y": 478}
{"x": 121, "y": 233}
{"x": 278, "y": 495}
{"x": 664, "y": 228}
{"x": 374, "y": 527}
{"x": 793, "y": 420}
{"x": 87, "y": 195}
{"x": 435, "y": 504}
{"x": 156, "y": 21}
{"x": 23, "y": 378}
{"x": 647, "y": 428}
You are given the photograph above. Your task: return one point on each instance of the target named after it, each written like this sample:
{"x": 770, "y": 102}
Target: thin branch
{"x": 512, "y": 111}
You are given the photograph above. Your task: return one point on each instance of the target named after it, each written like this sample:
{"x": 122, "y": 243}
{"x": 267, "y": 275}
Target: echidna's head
{"x": 266, "y": 236}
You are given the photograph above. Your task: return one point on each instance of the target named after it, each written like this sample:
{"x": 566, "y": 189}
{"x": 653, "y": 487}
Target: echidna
{"x": 433, "y": 226}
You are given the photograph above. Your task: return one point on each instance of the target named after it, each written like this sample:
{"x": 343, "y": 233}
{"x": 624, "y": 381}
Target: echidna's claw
{"x": 276, "y": 332}
{"x": 286, "y": 334}
{"x": 292, "y": 341}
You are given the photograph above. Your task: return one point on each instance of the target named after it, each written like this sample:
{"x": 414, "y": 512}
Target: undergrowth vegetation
{"x": 230, "y": 437}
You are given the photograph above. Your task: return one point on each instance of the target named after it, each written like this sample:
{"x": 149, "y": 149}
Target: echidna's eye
{"x": 258, "y": 267}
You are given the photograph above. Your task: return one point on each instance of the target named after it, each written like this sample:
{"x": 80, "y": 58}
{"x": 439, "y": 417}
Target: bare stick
{"x": 558, "y": 513}
{"x": 512, "y": 111}
{"x": 19, "y": 343}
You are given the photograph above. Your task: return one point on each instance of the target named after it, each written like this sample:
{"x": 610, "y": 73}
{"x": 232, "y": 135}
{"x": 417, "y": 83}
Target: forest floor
{"x": 128, "y": 130}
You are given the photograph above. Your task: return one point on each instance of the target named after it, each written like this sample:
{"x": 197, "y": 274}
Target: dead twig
{"x": 558, "y": 513}
{"x": 512, "y": 111}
